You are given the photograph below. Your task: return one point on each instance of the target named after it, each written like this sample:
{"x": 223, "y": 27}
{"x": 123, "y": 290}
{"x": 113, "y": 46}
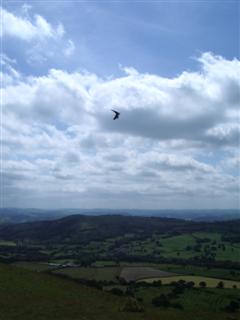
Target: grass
{"x": 210, "y": 282}
{"x": 157, "y": 246}
{"x": 193, "y": 299}
{"x": 202, "y": 271}
{"x": 90, "y": 273}
{"x": 105, "y": 263}
{"x": 34, "y": 266}
{"x": 175, "y": 246}
{"x": 7, "y": 243}
{"x": 27, "y": 295}
{"x": 214, "y": 299}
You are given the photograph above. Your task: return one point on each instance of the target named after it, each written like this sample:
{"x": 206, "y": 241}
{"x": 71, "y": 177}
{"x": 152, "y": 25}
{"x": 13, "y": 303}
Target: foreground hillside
{"x": 27, "y": 295}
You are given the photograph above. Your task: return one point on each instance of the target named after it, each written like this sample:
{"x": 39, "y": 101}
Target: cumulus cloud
{"x": 43, "y": 39}
{"x": 24, "y": 29}
{"x": 9, "y": 73}
{"x": 189, "y": 107}
{"x": 61, "y": 130}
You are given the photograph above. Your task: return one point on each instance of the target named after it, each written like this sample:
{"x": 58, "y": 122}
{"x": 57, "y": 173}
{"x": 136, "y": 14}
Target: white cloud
{"x": 232, "y": 163}
{"x": 41, "y": 39}
{"x": 61, "y": 130}
{"x": 8, "y": 73}
{"x": 24, "y": 29}
{"x": 183, "y": 108}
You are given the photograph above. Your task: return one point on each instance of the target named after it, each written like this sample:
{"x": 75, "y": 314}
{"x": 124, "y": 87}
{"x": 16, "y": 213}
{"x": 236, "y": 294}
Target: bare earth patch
{"x": 137, "y": 273}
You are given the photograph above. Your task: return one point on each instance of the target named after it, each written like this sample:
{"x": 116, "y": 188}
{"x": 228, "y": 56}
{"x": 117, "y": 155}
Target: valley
{"x": 149, "y": 267}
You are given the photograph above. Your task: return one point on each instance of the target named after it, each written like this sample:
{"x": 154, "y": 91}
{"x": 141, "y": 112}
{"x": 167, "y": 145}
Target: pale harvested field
{"x": 138, "y": 273}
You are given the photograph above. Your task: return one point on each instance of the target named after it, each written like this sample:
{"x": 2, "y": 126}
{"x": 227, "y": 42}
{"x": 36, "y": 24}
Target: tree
{"x": 157, "y": 283}
{"x": 232, "y": 307}
{"x": 178, "y": 290}
{"x": 132, "y": 305}
{"x": 177, "y": 306}
{"x": 202, "y": 284}
{"x": 129, "y": 292}
{"x": 116, "y": 291}
{"x": 190, "y": 284}
{"x": 161, "y": 301}
{"x": 220, "y": 285}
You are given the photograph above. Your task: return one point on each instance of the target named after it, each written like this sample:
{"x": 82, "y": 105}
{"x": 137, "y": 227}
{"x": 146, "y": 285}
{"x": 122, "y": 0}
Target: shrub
{"x": 161, "y": 301}
{"x": 220, "y": 285}
{"x": 132, "y": 305}
{"x": 116, "y": 291}
{"x": 129, "y": 292}
{"x": 177, "y": 306}
{"x": 232, "y": 307}
{"x": 157, "y": 283}
{"x": 202, "y": 284}
{"x": 190, "y": 284}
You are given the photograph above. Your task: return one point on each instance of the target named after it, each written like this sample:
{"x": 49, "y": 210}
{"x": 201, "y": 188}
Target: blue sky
{"x": 170, "y": 67}
{"x": 155, "y": 37}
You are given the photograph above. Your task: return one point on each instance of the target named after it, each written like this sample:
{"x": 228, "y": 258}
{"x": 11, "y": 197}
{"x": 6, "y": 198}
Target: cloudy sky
{"x": 171, "y": 68}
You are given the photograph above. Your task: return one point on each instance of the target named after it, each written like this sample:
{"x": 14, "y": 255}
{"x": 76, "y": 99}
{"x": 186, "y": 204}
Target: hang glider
{"x": 117, "y": 114}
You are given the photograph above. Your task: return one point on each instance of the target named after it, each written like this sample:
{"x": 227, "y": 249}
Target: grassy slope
{"x": 33, "y": 266}
{"x": 108, "y": 273}
{"x": 26, "y": 295}
{"x": 202, "y": 302}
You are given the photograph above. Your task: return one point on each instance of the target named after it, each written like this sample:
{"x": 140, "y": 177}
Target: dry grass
{"x": 137, "y": 273}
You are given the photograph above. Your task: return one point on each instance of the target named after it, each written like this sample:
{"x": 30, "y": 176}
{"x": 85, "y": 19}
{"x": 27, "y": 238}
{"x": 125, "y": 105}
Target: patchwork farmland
{"x": 143, "y": 268}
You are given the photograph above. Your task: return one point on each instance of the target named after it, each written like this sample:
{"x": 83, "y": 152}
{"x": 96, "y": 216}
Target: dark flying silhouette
{"x": 117, "y": 114}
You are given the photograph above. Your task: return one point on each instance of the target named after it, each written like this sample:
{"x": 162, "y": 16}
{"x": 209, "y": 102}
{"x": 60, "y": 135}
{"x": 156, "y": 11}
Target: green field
{"x": 201, "y": 271}
{"x": 210, "y": 282}
{"x": 176, "y": 246}
{"x": 7, "y": 243}
{"x": 105, "y": 264}
{"x": 34, "y": 266}
{"x": 201, "y": 301}
{"x": 89, "y": 273}
{"x": 185, "y": 246}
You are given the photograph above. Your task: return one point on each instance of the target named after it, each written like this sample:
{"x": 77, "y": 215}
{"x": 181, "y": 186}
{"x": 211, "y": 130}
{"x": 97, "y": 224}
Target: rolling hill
{"x": 81, "y": 228}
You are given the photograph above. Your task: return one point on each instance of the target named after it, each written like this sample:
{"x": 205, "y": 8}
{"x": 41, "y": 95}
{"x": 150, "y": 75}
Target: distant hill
{"x": 21, "y": 215}
{"x": 82, "y": 228}
{"x": 18, "y": 215}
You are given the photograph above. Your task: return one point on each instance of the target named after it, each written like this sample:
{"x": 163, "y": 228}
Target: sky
{"x": 171, "y": 68}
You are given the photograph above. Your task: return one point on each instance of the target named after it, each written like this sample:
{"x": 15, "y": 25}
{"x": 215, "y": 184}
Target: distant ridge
{"x": 83, "y": 228}
{"x": 21, "y": 215}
